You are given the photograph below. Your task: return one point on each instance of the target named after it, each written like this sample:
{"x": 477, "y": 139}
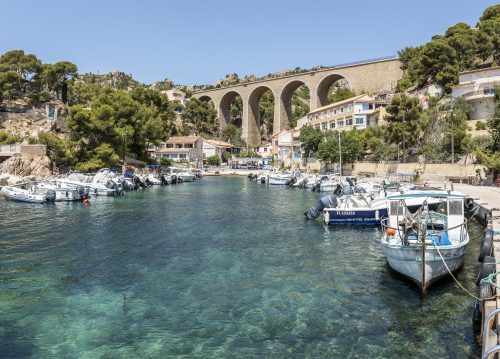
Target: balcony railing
{"x": 480, "y": 92}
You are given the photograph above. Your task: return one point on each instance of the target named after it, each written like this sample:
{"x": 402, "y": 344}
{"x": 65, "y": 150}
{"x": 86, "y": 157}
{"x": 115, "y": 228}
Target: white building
{"x": 265, "y": 150}
{"x": 356, "y": 112}
{"x": 478, "y": 88}
{"x": 216, "y": 147}
{"x": 182, "y": 149}
{"x": 176, "y": 95}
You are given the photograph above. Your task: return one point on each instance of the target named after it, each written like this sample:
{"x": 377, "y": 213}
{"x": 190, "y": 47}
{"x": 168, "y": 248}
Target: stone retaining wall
{"x": 33, "y": 150}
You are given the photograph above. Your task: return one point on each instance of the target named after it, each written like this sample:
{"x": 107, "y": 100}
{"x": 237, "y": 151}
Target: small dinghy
{"x": 23, "y": 195}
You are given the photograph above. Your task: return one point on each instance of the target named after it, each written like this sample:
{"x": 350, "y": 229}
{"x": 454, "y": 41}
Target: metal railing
{"x": 486, "y": 327}
{"x": 485, "y": 91}
{"x": 10, "y": 149}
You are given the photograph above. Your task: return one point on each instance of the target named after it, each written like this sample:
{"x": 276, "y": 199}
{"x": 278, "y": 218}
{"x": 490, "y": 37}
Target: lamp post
{"x": 452, "y": 138}
{"x": 124, "y": 141}
{"x": 340, "y": 155}
{"x": 404, "y": 137}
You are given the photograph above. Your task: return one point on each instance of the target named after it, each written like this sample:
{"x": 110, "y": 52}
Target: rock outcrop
{"x": 23, "y": 165}
{"x": 25, "y": 125}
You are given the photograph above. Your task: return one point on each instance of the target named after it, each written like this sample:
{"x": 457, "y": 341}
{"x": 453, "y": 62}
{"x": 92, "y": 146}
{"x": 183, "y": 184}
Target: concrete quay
{"x": 488, "y": 198}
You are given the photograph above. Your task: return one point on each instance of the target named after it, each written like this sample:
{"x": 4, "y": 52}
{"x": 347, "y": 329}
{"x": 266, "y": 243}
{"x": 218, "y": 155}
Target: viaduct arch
{"x": 373, "y": 76}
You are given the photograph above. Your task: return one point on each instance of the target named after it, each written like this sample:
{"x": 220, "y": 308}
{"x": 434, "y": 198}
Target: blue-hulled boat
{"x": 360, "y": 208}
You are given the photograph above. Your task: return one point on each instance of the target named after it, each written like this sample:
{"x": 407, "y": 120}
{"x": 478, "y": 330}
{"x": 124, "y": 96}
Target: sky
{"x": 200, "y": 41}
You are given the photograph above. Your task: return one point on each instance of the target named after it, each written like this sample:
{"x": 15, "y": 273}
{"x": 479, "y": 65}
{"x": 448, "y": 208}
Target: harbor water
{"x": 218, "y": 268}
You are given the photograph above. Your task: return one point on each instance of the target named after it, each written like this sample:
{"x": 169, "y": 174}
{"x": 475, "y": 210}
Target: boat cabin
{"x": 450, "y": 217}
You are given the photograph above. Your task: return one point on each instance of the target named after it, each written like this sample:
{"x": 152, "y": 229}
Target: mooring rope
{"x": 489, "y": 278}
{"x": 458, "y": 283}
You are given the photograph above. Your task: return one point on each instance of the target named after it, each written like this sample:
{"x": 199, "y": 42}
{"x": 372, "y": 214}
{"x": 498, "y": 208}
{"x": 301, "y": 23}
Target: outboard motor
{"x": 329, "y": 201}
{"x": 174, "y": 179}
{"x": 316, "y": 186}
{"x": 148, "y": 182}
{"x": 83, "y": 192}
{"x": 110, "y": 184}
{"x": 163, "y": 179}
{"x": 129, "y": 185}
{"x": 50, "y": 196}
{"x": 263, "y": 179}
{"x": 137, "y": 181}
{"x": 118, "y": 189}
{"x": 338, "y": 190}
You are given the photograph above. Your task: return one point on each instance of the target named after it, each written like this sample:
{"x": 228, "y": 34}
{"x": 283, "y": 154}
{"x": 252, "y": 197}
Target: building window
{"x": 332, "y": 125}
{"x": 324, "y": 126}
{"x": 340, "y": 124}
{"x": 350, "y": 108}
{"x": 182, "y": 155}
{"x": 342, "y": 110}
{"x": 276, "y": 143}
{"x": 367, "y": 106}
{"x": 360, "y": 120}
{"x": 335, "y": 111}
{"x": 348, "y": 121}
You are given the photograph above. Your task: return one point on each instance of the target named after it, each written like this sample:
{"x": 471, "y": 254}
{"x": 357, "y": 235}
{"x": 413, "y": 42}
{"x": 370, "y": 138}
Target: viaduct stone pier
{"x": 372, "y": 76}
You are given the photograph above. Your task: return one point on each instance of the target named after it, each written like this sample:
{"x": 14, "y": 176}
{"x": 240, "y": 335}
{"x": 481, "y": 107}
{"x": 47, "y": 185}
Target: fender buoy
{"x": 483, "y": 292}
{"x": 390, "y": 231}
{"x": 469, "y": 203}
{"x": 86, "y": 201}
{"x": 486, "y": 247}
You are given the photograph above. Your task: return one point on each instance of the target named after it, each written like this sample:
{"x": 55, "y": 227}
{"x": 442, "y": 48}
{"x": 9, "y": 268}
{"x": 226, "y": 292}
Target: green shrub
{"x": 165, "y": 161}
{"x": 480, "y": 126}
{"x": 213, "y": 160}
{"x": 8, "y": 139}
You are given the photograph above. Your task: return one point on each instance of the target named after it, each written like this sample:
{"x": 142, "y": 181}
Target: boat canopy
{"x": 425, "y": 194}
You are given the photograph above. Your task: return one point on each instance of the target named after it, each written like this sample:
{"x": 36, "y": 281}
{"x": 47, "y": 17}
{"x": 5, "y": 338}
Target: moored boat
{"x": 427, "y": 245}
{"x": 279, "y": 178}
{"x": 23, "y": 195}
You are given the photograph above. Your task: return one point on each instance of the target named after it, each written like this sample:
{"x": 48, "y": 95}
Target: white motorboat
{"x": 183, "y": 176}
{"x": 23, "y": 195}
{"x": 427, "y": 245}
{"x": 152, "y": 180}
{"x": 63, "y": 192}
{"x": 95, "y": 187}
{"x": 186, "y": 176}
{"x": 279, "y": 178}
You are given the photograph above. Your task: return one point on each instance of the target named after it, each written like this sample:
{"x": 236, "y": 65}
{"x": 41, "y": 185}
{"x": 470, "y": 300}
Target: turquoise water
{"x": 219, "y": 268}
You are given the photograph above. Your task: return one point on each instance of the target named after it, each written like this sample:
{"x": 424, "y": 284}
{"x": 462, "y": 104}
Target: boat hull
{"x": 407, "y": 260}
{"x": 360, "y": 215}
{"x": 279, "y": 180}
{"x": 23, "y": 196}
{"x": 366, "y": 216}
{"x": 187, "y": 178}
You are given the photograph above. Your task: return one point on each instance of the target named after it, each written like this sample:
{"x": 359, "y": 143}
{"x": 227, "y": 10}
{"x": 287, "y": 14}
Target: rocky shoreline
{"x": 24, "y": 168}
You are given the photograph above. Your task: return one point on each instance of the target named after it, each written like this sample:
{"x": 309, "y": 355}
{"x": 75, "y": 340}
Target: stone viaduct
{"x": 372, "y": 76}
